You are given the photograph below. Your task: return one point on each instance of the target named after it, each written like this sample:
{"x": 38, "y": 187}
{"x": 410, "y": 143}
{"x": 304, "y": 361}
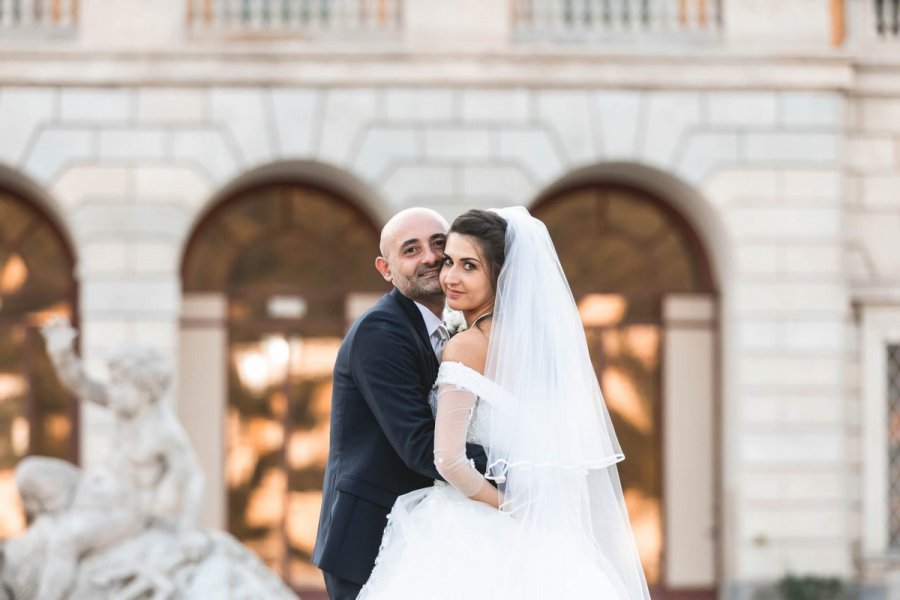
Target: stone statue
{"x": 150, "y": 445}
{"x": 129, "y": 527}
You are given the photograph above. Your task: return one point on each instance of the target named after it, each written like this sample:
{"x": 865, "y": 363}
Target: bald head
{"x": 412, "y": 253}
{"x": 407, "y": 221}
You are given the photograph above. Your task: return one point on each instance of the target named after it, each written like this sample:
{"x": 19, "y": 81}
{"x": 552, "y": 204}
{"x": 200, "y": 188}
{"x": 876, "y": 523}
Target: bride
{"x": 548, "y": 520}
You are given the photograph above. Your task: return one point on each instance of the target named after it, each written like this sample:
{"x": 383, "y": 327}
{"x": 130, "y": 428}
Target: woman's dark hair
{"x": 489, "y": 229}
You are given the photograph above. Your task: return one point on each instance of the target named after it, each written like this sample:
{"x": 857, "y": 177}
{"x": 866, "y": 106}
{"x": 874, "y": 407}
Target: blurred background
{"x": 721, "y": 178}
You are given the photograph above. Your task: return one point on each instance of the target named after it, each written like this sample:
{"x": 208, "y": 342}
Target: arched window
{"x": 293, "y": 264}
{"x": 37, "y": 416}
{"x": 627, "y": 256}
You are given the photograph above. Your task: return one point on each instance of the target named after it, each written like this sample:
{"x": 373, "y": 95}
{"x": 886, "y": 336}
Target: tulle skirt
{"x": 441, "y": 545}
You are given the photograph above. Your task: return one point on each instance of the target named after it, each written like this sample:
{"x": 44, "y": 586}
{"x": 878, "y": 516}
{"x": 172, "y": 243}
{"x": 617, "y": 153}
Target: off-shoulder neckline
{"x": 467, "y": 367}
{"x": 491, "y": 386}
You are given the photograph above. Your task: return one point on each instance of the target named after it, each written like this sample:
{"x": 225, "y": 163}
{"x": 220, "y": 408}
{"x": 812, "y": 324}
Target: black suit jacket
{"x": 382, "y": 433}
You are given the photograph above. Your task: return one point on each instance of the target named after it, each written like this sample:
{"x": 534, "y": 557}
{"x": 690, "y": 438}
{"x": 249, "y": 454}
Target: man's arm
{"x": 384, "y": 367}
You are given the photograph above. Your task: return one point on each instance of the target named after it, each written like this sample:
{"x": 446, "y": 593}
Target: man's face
{"x": 414, "y": 254}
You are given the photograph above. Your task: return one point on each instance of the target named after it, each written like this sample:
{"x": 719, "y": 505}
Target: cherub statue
{"x": 148, "y": 441}
{"x": 128, "y": 527}
{"x": 152, "y": 461}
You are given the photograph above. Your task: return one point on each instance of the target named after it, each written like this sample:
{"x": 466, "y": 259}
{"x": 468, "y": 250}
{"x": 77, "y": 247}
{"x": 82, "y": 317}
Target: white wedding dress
{"x": 440, "y": 544}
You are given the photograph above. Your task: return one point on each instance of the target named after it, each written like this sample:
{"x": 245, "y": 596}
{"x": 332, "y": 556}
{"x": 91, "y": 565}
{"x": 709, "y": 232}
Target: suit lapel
{"x": 415, "y": 318}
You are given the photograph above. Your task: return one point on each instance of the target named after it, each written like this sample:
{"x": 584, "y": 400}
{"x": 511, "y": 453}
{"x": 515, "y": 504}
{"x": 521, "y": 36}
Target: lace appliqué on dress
{"x": 461, "y": 377}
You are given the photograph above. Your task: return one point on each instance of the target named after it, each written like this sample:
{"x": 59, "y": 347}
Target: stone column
{"x": 203, "y": 393}
{"x": 690, "y": 382}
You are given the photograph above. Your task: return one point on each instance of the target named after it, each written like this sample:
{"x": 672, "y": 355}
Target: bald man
{"x": 382, "y": 427}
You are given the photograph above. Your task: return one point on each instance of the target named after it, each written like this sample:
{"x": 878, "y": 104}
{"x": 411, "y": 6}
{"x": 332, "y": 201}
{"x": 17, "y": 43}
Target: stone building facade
{"x": 149, "y": 140}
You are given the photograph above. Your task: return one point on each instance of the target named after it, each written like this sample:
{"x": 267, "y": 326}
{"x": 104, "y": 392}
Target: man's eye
{"x": 410, "y": 250}
{"x": 440, "y": 243}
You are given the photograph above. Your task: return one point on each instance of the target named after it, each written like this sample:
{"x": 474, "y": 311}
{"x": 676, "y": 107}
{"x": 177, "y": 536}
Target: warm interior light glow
{"x": 20, "y": 435}
{"x": 252, "y": 369}
{"x": 241, "y": 463}
{"x": 266, "y": 435}
{"x": 242, "y": 457}
{"x": 267, "y": 363}
{"x": 13, "y": 275}
{"x": 302, "y": 574}
{"x": 12, "y": 385}
{"x": 303, "y": 519}
{"x": 57, "y": 427}
{"x": 278, "y": 404}
{"x": 266, "y": 505}
{"x": 277, "y": 352}
{"x": 12, "y": 516}
{"x": 313, "y": 357}
{"x": 602, "y": 310}
{"x": 320, "y": 404}
{"x": 643, "y": 344}
{"x": 645, "y": 514}
{"x": 308, "y": 448}
{"x": 39, "y": 318}
{"x": 623, "y": 398}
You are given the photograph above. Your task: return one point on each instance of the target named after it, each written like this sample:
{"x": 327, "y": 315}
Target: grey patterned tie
{"x": 440, "y": 337}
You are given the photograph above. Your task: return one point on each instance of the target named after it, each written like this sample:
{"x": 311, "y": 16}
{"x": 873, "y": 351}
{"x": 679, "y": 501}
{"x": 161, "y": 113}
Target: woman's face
{"x": 464, "y": 276}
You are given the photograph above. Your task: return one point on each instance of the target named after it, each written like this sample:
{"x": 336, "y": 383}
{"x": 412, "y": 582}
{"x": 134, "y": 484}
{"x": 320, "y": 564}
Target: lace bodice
{"x": 462, "y": 404}
{"x": 487, "y": 393}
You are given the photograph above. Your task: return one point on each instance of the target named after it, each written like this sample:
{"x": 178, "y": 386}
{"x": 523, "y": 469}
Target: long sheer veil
{"x": 552, "y": 448}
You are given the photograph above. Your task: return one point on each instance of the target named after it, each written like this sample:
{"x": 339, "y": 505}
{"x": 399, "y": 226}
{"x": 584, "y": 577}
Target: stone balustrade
{"x": 294, "y": 16}
{"x": 606, "y": 18}
{"x": 54, "y": 15}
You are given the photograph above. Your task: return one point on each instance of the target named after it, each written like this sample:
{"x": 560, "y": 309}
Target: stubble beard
{"x": 421, "y": 289}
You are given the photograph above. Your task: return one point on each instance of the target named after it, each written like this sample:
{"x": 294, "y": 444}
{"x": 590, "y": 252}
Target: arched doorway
{"x": 37, "y": 415}
{"x": 291, "y": 266}
{"x": 645, "y": 290}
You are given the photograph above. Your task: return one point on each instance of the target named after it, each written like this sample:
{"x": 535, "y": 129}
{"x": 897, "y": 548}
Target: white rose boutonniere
{"x": 454, "y": 321}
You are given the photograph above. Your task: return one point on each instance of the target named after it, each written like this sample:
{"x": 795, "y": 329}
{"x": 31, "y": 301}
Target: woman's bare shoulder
{"x": 468, "y": 347}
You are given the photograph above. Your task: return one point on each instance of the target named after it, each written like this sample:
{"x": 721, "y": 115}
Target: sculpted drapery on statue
{"x": 129, "y": 526}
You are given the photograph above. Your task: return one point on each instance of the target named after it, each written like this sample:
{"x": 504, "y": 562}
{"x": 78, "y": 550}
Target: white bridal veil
{"x": 552, "y": 449}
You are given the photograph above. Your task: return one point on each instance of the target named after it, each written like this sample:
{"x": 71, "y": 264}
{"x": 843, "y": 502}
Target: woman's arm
{"x": 455, "y": 407}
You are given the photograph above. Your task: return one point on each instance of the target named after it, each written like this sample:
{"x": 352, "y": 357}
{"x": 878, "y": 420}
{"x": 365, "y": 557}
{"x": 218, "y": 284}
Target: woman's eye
{"x": 469, "y": 267}
{"x": 448, "y": 262}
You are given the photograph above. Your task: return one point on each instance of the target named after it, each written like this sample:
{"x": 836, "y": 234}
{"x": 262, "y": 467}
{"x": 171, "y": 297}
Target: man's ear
{"x": 384, "y": 268}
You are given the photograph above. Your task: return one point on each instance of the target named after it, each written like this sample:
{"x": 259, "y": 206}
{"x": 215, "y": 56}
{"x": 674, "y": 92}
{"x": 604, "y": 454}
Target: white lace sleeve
{"x": 455, "y": 406}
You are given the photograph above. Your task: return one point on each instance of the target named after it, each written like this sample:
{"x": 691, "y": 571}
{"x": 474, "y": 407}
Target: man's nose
{"x": 432, "y": 255}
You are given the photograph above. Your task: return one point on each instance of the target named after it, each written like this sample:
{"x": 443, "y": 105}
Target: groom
{"x": 382, "y": 428}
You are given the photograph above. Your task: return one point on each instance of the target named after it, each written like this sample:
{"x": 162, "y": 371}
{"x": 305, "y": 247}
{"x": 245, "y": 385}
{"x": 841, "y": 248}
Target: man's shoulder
{"x": 386, "y": 308}
{"x": 386, "y": 313}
